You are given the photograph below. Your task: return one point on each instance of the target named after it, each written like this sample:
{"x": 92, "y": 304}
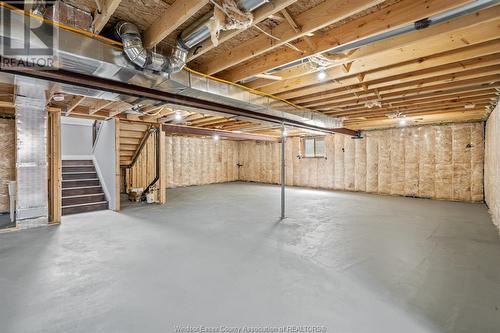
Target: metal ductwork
{"x": 77, "y": 53}
{"x": 193, "y": 35}
{"x": 31, "y": 153}
{"x": 147, "y": 59}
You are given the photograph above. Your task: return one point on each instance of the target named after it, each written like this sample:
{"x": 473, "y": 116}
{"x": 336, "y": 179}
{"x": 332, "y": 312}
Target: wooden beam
{"x": 296, "y": 27}
{"x": 178, "y": 13}
{"x": 119, "y": 108}
{"x": 117, "y": 164}
{"x": 399, "y": 14}
{"x": 313, "y": 19}
{"x": 417, "y": 100}
{"x": 77, "y": 100}
{"x": 450, "y": 117}
{"x": 259, "y": 15}
{"x": 391, "y": 52}
{"x": 163, "y": 170}
{"x": 55, "y": 180}
{"x": 176, "y": 129}
{"x": 443, "y": 72}
{"x": 269, "y": 77}
{"x": 100, "y": 105}
{"x": 108, "y": 9}
{"x": 461, "y": 91}
{"x": 465, "y": 58}
{"x": 488, "y": 81}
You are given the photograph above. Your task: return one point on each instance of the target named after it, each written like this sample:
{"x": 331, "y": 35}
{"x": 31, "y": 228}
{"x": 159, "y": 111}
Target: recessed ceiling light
{"x": 402, "y": 122}
{"x": 216, "y": 137}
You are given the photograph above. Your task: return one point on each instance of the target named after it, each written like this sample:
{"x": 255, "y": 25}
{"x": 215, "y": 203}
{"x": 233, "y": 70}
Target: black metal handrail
{"x": 157, "y": 169}
{"x": 151, "y": 130}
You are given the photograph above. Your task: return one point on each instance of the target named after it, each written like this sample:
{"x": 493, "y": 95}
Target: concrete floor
{"x": 216, "y": 256}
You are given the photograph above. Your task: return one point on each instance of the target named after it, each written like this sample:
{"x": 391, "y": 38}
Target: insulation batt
{"x": 438, "y": 162}
{"x": 491, "y": 166}
{"x": 7, "y": 160}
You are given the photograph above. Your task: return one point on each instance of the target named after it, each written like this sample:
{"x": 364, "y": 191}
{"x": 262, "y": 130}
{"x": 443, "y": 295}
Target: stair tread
{"x": 81, "y": 187}
{"x": 78, "y": 180}
{"x": 82, "y": 195}
{"x": 86, "y": 204}
{"x": 77, "y": 172}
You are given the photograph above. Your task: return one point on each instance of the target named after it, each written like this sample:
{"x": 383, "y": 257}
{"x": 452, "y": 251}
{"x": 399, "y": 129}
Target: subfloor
{"x": 218, "y": 256}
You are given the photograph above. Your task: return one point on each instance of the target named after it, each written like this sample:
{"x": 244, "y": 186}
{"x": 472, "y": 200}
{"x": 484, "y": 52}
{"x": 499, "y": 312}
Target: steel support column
{"x": 283, "y": 178}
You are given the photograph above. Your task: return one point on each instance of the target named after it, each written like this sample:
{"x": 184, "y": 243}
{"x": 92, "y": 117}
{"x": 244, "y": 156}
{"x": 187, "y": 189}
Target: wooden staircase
{"x": 81, "y": 188}
{"x": 131, "y": 136}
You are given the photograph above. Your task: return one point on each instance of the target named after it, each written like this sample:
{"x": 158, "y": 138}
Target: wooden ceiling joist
{"x": 259, "y": 15}
{"x": 443, "y": 117}
{"x": 466, "y": 36}
{"x": 402, "y": 13}
{"x": 393, "y": 105}
{"x": 430, "y": 78}
{"x": 178, "y": 13}
{"x": 173, "y": 129}
{"x": 108, "y": 7}
{"x": 439, "y": 63}
{"x": 486, "y": 88}
{"x": 77, "y": 100}
{"x": 490, "y": 81}
{"x": 311, "y": 20}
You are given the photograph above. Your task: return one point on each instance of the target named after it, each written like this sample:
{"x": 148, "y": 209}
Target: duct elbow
{"x": 134, "y": 50}
{"x": 177, "y": 59}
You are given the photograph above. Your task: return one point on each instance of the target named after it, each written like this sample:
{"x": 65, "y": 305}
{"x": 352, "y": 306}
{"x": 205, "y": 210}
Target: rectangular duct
{"x": 31, "y": 158}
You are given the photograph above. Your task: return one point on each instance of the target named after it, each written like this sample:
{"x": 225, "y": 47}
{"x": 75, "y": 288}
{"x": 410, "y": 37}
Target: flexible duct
{"x": 193, "y": 35}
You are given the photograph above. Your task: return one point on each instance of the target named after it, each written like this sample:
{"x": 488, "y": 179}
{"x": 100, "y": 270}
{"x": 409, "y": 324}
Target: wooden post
{"x": 54, "y": 150}
{"x": 163, "y": 169}
{"x": 117, "y": 164}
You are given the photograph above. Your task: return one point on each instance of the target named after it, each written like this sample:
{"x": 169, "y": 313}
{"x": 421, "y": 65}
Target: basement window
{"x": 314, "y": 147}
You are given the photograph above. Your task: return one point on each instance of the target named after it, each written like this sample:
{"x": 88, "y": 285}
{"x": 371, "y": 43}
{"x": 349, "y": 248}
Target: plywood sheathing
{"x": 7, "y": 160}
{"x": 199, "y": 161}
{"x": 439, "y": 162}
{"x": 492, "y": 165}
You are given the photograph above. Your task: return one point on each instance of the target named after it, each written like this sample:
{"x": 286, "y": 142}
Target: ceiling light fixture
{"x": 58, "y": 97}
{"x": 216, "y": 137}
{"x": 178, "y": 116}
{"x": 321, "y": 75}
{"x": 402, "y": 122}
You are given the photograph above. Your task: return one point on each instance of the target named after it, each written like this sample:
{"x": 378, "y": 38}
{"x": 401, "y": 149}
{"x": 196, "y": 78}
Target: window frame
{"x": 315, "y": 139}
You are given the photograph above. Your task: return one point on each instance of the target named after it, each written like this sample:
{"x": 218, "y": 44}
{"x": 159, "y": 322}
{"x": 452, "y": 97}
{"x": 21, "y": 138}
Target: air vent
{"x": 75, "y": 64}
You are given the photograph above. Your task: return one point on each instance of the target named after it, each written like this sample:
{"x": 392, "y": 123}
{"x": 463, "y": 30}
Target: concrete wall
{"x": 441, "y": 162}
{"x": 198, "y": 161}
{"x": 7, "y": 160}
{"x": 492, "y": 165}
{"x": 76, "y": 136}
